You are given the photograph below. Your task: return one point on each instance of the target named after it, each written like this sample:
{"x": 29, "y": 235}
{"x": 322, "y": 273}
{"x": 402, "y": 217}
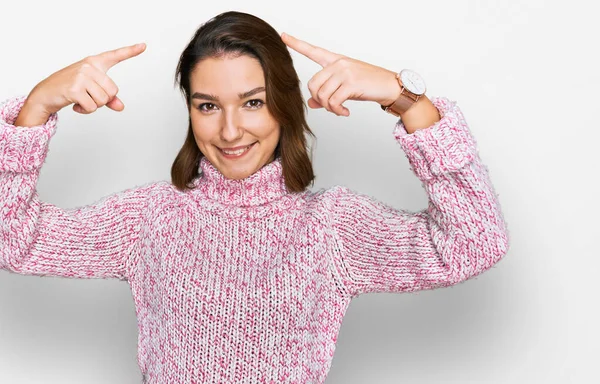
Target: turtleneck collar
{"x": 261, "y": 187}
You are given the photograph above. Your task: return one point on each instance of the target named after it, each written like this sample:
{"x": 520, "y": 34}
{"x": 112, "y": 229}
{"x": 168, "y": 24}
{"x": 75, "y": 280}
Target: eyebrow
{"x": 205, "y": 96}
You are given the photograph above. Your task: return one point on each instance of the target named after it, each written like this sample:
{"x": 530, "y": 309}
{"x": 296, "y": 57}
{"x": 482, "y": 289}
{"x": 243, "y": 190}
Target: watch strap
{"x": 403, "y": 103}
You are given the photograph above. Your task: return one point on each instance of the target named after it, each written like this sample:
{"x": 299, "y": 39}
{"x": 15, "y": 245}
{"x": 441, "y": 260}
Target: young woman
{"x": 239, "y": 273}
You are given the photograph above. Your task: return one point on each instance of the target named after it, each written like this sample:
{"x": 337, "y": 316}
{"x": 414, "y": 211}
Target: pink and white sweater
{"x": 240, "y": 281}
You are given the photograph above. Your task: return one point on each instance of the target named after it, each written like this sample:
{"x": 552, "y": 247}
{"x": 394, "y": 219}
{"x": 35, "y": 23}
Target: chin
{"x": 236, "y": 175}
{"x": 237, "y": 172}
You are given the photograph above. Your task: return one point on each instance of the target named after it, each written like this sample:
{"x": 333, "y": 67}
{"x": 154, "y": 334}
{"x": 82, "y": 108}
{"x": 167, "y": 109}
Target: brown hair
{"x": 237, "y": 33}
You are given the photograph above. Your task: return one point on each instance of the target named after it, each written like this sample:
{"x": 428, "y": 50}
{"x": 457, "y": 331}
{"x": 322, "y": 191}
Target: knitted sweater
{"x": 241, "y": 281}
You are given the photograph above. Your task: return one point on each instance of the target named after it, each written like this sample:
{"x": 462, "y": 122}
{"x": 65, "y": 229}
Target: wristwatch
{"x": 412, "y": 88}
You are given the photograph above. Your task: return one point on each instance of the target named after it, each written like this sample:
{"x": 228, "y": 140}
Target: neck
{"x": 263, "y": 186}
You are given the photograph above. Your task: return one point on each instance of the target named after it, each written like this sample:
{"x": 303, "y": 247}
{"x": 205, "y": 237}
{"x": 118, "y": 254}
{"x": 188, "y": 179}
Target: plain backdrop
{"x": 525, "y": 76}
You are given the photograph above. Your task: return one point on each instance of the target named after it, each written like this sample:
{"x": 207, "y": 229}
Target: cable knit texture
{"x": 240, "y": 281}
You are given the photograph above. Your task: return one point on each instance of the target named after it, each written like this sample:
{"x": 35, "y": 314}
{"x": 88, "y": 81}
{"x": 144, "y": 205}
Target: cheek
{"x": 264, "y": 126}
{"x": 204, "y": 131}
{"x": 255, "y": 122}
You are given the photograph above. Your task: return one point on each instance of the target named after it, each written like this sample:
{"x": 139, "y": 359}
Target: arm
{"x": 460, "y": 234}
{"x": 422, "y": 114}
{"x": 37, "y": 238}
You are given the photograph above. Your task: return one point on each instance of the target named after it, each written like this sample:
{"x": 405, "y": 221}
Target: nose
{"x": 230, "y": 128}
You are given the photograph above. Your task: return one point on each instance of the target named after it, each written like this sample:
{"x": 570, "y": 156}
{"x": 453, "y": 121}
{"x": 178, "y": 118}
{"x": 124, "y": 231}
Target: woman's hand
{"x": 343, "y": 78}
{"x": 84, "y": 83}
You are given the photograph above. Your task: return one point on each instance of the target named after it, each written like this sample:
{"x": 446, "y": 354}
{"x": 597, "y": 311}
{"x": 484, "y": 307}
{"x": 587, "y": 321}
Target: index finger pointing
{"x": 317, "y": 54}
{"x": 110, "y": 58}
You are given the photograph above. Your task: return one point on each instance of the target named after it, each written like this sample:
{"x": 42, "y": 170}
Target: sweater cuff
{"x": 22, "y": 149}
{"x": 446, "y": 146}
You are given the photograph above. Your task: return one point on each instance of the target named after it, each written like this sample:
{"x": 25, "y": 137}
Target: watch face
{"x": 412, "y": 81}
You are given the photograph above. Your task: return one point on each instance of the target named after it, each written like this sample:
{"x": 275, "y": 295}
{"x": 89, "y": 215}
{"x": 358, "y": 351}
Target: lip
{"x": 236, "y": 157}
{"x": 236, "y": 148}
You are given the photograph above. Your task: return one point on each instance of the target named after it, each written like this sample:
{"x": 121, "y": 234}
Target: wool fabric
{"x": 241, "y": 281}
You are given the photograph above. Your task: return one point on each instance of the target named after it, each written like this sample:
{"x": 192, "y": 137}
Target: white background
{"x": 525, "y": 74}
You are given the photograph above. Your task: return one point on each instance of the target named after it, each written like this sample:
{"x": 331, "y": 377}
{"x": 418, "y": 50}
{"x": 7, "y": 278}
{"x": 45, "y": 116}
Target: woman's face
{"x": 228, "y": 110}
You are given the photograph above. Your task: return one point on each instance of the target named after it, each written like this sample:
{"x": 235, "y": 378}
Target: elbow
{"x": 10, "y": 262}
{"x": 473, "y": 256}
{"x": 495, "y": 246}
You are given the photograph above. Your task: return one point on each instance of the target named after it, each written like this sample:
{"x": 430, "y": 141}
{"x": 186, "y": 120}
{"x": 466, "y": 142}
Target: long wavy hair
{"x": 232, "y": 34}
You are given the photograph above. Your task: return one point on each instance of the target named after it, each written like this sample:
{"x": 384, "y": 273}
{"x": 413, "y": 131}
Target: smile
{"x": 236, "y": 154}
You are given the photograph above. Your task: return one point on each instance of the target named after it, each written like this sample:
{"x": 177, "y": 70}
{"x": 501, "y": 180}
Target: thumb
{"x": 116, "y": 104}
{"x": 313, "y": 103}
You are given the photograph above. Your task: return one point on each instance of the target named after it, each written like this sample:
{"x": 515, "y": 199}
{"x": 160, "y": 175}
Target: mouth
{"x": 229, "y": 154}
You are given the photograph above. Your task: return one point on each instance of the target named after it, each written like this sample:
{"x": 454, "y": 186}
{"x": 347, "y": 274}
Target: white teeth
{"x": 238, "y": 152}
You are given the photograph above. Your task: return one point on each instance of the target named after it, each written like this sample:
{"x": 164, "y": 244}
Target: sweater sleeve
{"x": 36, "y": 238}
{"x": 460, "y": 234}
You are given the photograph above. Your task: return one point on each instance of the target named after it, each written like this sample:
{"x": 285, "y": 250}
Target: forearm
{"x": 31, "y": 115}
{"x": 422, "y": 114}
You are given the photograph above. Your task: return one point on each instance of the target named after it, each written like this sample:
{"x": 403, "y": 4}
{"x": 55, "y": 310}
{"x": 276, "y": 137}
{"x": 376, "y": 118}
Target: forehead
{"x": 226, "y": 75}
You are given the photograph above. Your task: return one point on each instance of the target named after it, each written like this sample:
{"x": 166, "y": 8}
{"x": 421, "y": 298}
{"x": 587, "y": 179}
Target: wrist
{"x": 31, "y": 115}
{"x": 422, "y": 114}
{"x": 393, "y": 91}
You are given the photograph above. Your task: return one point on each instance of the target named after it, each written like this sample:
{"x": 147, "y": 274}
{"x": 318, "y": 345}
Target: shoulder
{"x": 150, "y": 189}
{"x": 156, "y": 195}
{"x": 164, "y": 193}
{"x": 340, "y": 200}
{"x": 326, "y": 199}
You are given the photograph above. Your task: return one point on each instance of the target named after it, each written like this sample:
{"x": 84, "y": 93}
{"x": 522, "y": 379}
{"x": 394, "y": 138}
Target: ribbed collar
{"x": 261, "y": 187}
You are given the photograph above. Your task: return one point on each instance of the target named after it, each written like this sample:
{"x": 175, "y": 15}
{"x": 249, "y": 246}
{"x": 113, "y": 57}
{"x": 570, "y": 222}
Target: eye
{"x": 255, "y": 104}
{"x": 258, "y": 105}
{"x": 200, "y": 107}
